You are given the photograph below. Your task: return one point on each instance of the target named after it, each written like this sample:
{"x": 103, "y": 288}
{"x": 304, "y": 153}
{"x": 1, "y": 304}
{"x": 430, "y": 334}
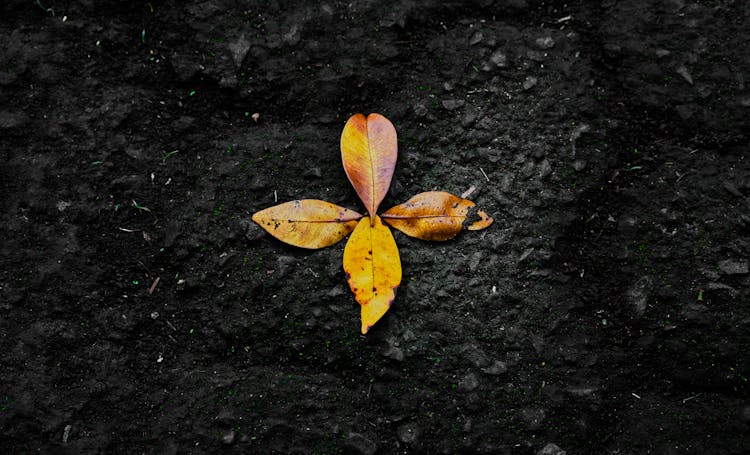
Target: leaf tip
{"x": 483, "y": 222}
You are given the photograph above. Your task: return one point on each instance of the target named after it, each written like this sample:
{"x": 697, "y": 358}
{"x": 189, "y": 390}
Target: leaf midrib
{"x": 409, "y": 217}
{"x": 287, "y": 220}
{"x": 372, "y": 176}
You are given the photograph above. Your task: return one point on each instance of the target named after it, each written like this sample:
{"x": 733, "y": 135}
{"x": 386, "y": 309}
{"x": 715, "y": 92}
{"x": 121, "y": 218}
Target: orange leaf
{"x": 368, "y": 150}
{"x": 434, "y": 215}
{"x": 308, "y": 223}
{"x": 373, "y": 269}
{"x": 483, "y": 221}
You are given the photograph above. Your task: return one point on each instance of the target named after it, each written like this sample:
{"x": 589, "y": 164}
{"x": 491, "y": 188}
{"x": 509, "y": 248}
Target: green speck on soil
{"x": 5, "y": 404}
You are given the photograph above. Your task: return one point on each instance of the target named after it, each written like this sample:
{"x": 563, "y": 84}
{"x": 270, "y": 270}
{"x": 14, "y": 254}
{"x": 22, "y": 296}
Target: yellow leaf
{"x": 434, "y": 215}
{"x": 369, "y": 150}
{"x": 308, "y": 223}
{"x": 373, "y": 269}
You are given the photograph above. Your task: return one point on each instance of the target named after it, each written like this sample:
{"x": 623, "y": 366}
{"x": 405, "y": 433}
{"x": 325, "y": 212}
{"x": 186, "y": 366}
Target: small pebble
{"x": 545, "y": 169}
{"x": 733, "y": 267}
{"x": 468, "y": 383}
{"x": 313, "y": 172}
{"x": 534, "y": 417}
{"x": 360, "y": 444}
{"x": 530, "y": 82}
{"x": 499, "y": 59}
{"x": 639, "y": 294}
{"x": 408, "y": 433}
{"x": 545, "y": 42}
{"x": 683, "y": 71}
{"x": 452, "y": 105}
{"x": 496, "y": 369}
{"x": 228, "y": 438}
{"x": 476, "y": 38}
{"x": 551, "y": 449}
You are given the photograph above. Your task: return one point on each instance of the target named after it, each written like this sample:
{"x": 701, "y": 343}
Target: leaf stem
{"x": 407, "y": 217}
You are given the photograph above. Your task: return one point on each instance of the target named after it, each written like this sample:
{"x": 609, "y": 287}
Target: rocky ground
{"x": 607, "y": 310}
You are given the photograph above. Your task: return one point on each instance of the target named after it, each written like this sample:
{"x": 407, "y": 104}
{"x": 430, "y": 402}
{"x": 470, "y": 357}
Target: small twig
{"x": 690, "y": 398}
{"x": 275, "y": 196}
{"x": 153, "y": 286}
{"x": 45, "y": 9}
{"x": 468, "y": 192}
{"x": 484, "y": 174}
{"x": 635, "y": 395}
{"x": 167, "y": 155}
{"x": 127, "y": 230}
{"x": 140, "y": 207}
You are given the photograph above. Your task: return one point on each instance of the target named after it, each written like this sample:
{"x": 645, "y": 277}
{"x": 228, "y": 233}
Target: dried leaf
{"x": 373, "y": 269}
{"x": 368, "y": 150}
{"x": 483, "y": 221}
{"x": 434, "y": 215}
{"x": 308, "y": 223}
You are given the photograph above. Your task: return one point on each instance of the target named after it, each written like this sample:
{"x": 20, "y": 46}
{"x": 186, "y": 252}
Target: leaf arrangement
{"x": 371, "y": 261}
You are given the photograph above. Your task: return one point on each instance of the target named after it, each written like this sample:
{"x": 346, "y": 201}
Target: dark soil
{"x": 607, "y": 310}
